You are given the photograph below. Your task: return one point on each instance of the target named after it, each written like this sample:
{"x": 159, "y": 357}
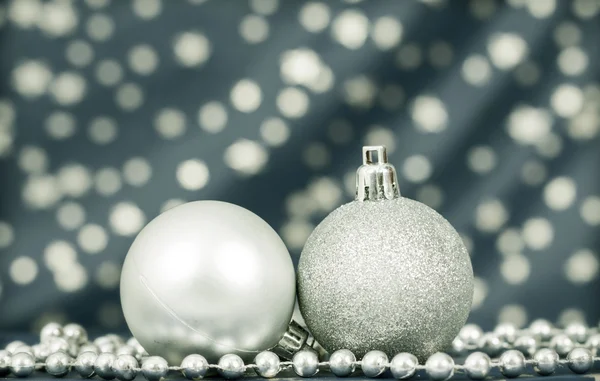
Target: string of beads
{"x": 506, "y": 348}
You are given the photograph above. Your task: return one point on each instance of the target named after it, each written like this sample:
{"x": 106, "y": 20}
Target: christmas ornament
{"x": 384, "y": 272}
{"x": 208, "y": 277}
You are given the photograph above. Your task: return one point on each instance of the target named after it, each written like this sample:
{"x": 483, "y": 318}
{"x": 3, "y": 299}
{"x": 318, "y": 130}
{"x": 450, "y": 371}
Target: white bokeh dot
{"x": 441, "y": 54}
{"x": 97, "y": 4}
{"x": 567, "y": 34}
{"x": 192, "y": 174}
{"x": 381, "y": 136}
{"x": 515, "y": 269}
{"x": 58, "y": 18}
{"x": 560, "y": 193}
{"x": 527, "y": 73}
{"x": 246, "y": 157}
{"x": 480, "y": 292}
{"x": 571, "y": 315}
{"x": 538, "y": 233}
{"x": 171, "y": 203}
{"x": 170, "y": 123}
{"x": 212, "y": 117}
{"x": 430, "y": 195}
{"x": 541, "y": 9}
{"x": 274, "y": 131}
{"x": 490, "y": 216}
{"x": 109, "y": 72}
{"x": 409, "y": 56}
{"x": 549, "y": 146}
{"x": 482, "y": 9}
{"x": 107, "y": 181}
{"x": 246, "y": 96}
{"x": 295, "y": 233}
{"x": 533, "y": 172}
{"x": 126, "y": 218}
{"x": 386, "y": 32}
{"x": 143, "y": 59}
{"x": 567, "y": 100}
{"x": 325, "y": 192}
{"x": 25, "y": 13}
{"x": 129, "y": 96}
{"x": 350, "y": 28}
{"x": 23, "y": 270}
{"x": 264, "y": 7}
{"x": 192, "y": 49}
{"x": 70, "y": 215}
{"x": 481, "y": 159}
{"x": 254, "y": 29}
{"x": 41, "y": 192}
{"x": 316, "y": 155}
{"x": 7, "y": 235}
{"x": 74, "y": 180}
{"x": 528, "y": 125}
{"x": 292, "y": 102}
{"x": 582, "y": 267}
{"x": 33, "y": 160}
{"x": 100, "y": 27}
{"x": 314, "y": 16}
{"x": 71, "y": 279}
{"x": 514, "y": 314}
{"x": 102, "y": 130}
{"x": 585, "y": 9}
{"x": 507, "y": 50}
{"x": 359, "y": 91}
{"x": 510, "y": 242}
{"x": 68, "y": 88}
{"x": 585, "y": 125}
{"x": 92, "y": 238}
{"x": 31, "y": 78}
{"x": 590, "y": 210}
{"x": 476, "y": 70}
{"x": 137, "y": 171}
{"x": 79, "y": 53}
{"x": 108, "y": 275}
{"x": 147, "y": 9}
{"x": 429, "y": 114}
{"x": 573, "y": 61}
{"x": 59, "y": 255}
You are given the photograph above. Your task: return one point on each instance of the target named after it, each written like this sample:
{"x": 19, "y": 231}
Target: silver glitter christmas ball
{"x": 384, "y": 272}
{"x": 208, "y": 277}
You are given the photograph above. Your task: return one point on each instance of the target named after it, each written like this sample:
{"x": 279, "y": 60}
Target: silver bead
{"x": 75, "y": 334}
{"x": 526, "y": 344}
{"x": 506, "y": 332}
{"x": 22, "y": 364}
{"x": 477, "y": 365}
{"x": 125, "y": 367}
{"x": 439, "y": 366}
{"x": 577, "y": 331}
{"x": 5, "y": 361}
{"x": 126, "y": 350}
{"x": 470, "y": 334}
{"x": 84, "y": 364}
{"x": 541, "y": 328}
{"x": 24, "y": 349}
{"x": 342, "y": 362}
{"x": 305, "y": 363}
{"x": 512, "y": 363}
{"x": 40, "y": 352}
{"x": 562, "y": 344}
{"x": 12, "y": 346}
{"x": 403, "y": 365}
{"x": 89, "y": 348}
{"x": 231, "y": 366}
{"x": 155, "y": 368}
{"x": 593, "y": 342}
{"x": 194, "y": 367}
{"x": 103, "y": 365}
{"x": 108, "y": 343}
{"x": 267, "y": 364}
{"x": 58, "y": 364}
{"x": 546, "y": 361}
{"x": 58, "y": 344}
{"x": 580, "y": 360}
{"x": 490, "y": 343}
{"x": 373, "y": 363}
{"x": 458, "y": 346}
{"x": 50, "y": 331}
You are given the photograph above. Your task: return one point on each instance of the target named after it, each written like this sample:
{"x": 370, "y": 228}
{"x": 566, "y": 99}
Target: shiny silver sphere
{"x": 526, "y": 344}
{"x": 40, "y": 352}
{"x": 512, "y": 363}
{"x": 208, "y": 277}
{"x": 387, "y": 248}
{"x": 89, "y": 348}
{"x": 305, "y": 363}
{"x": 373, "y": 363}
{"x": 194, "y": 367}
{"x": 506, "y": 332}
{"x": 231, "y": 366}
{"x": 490, "y": 343}
{"x": 58, "y": 344}
{"x": 458, "y": 346}
{"x": 593, "y": 342}
{"x": 125, "y": 366}
{"x": 342, "y": 362}
{"x": 404, "y": 365}
{"x": 542, "y": 329}
{"x": 22, "y": 364}
{"x": 439, "y": 366}
{"x": 577, "y": 331}
{"x": 267, "y": 364}
{"x": 470, "y": 334}
{"x": 24, "y": 349}
{"x": 126, "y": 350}
{"x": 478, "y": 365}
{"x": 580, "y": 360}
{"x": 103, "y": 365}
{"x": 14, "y": 345}
{"x": 563, "y": 344}
{"x": 5, "y": 361}
{"x": 84, "y": 364}
{"x": 50, "y": 331}
{"x": 75, "y": 334}
{"x": 58, "y": 364}
{"x": 155, "y": 368}
{"x": 545, "y": 361}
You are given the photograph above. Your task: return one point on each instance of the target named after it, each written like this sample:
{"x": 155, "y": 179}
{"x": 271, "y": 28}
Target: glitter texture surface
{"x": 391, "y": 275}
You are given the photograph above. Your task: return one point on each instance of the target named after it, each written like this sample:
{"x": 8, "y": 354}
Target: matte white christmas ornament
{"x": 384, "y": 272}
{"x": 208, "y": 277}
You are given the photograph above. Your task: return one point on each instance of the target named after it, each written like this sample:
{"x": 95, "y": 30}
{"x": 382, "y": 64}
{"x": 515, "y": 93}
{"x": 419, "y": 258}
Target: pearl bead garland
{"x": 506, "y": 348}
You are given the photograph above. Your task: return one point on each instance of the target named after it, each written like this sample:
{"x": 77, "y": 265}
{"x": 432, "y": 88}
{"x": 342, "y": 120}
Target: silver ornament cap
{"x": 384, "y": 272}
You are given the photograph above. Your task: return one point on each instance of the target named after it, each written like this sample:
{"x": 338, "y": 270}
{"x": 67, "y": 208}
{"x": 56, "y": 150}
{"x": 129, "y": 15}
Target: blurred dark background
{"x": 113, "y": 111}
